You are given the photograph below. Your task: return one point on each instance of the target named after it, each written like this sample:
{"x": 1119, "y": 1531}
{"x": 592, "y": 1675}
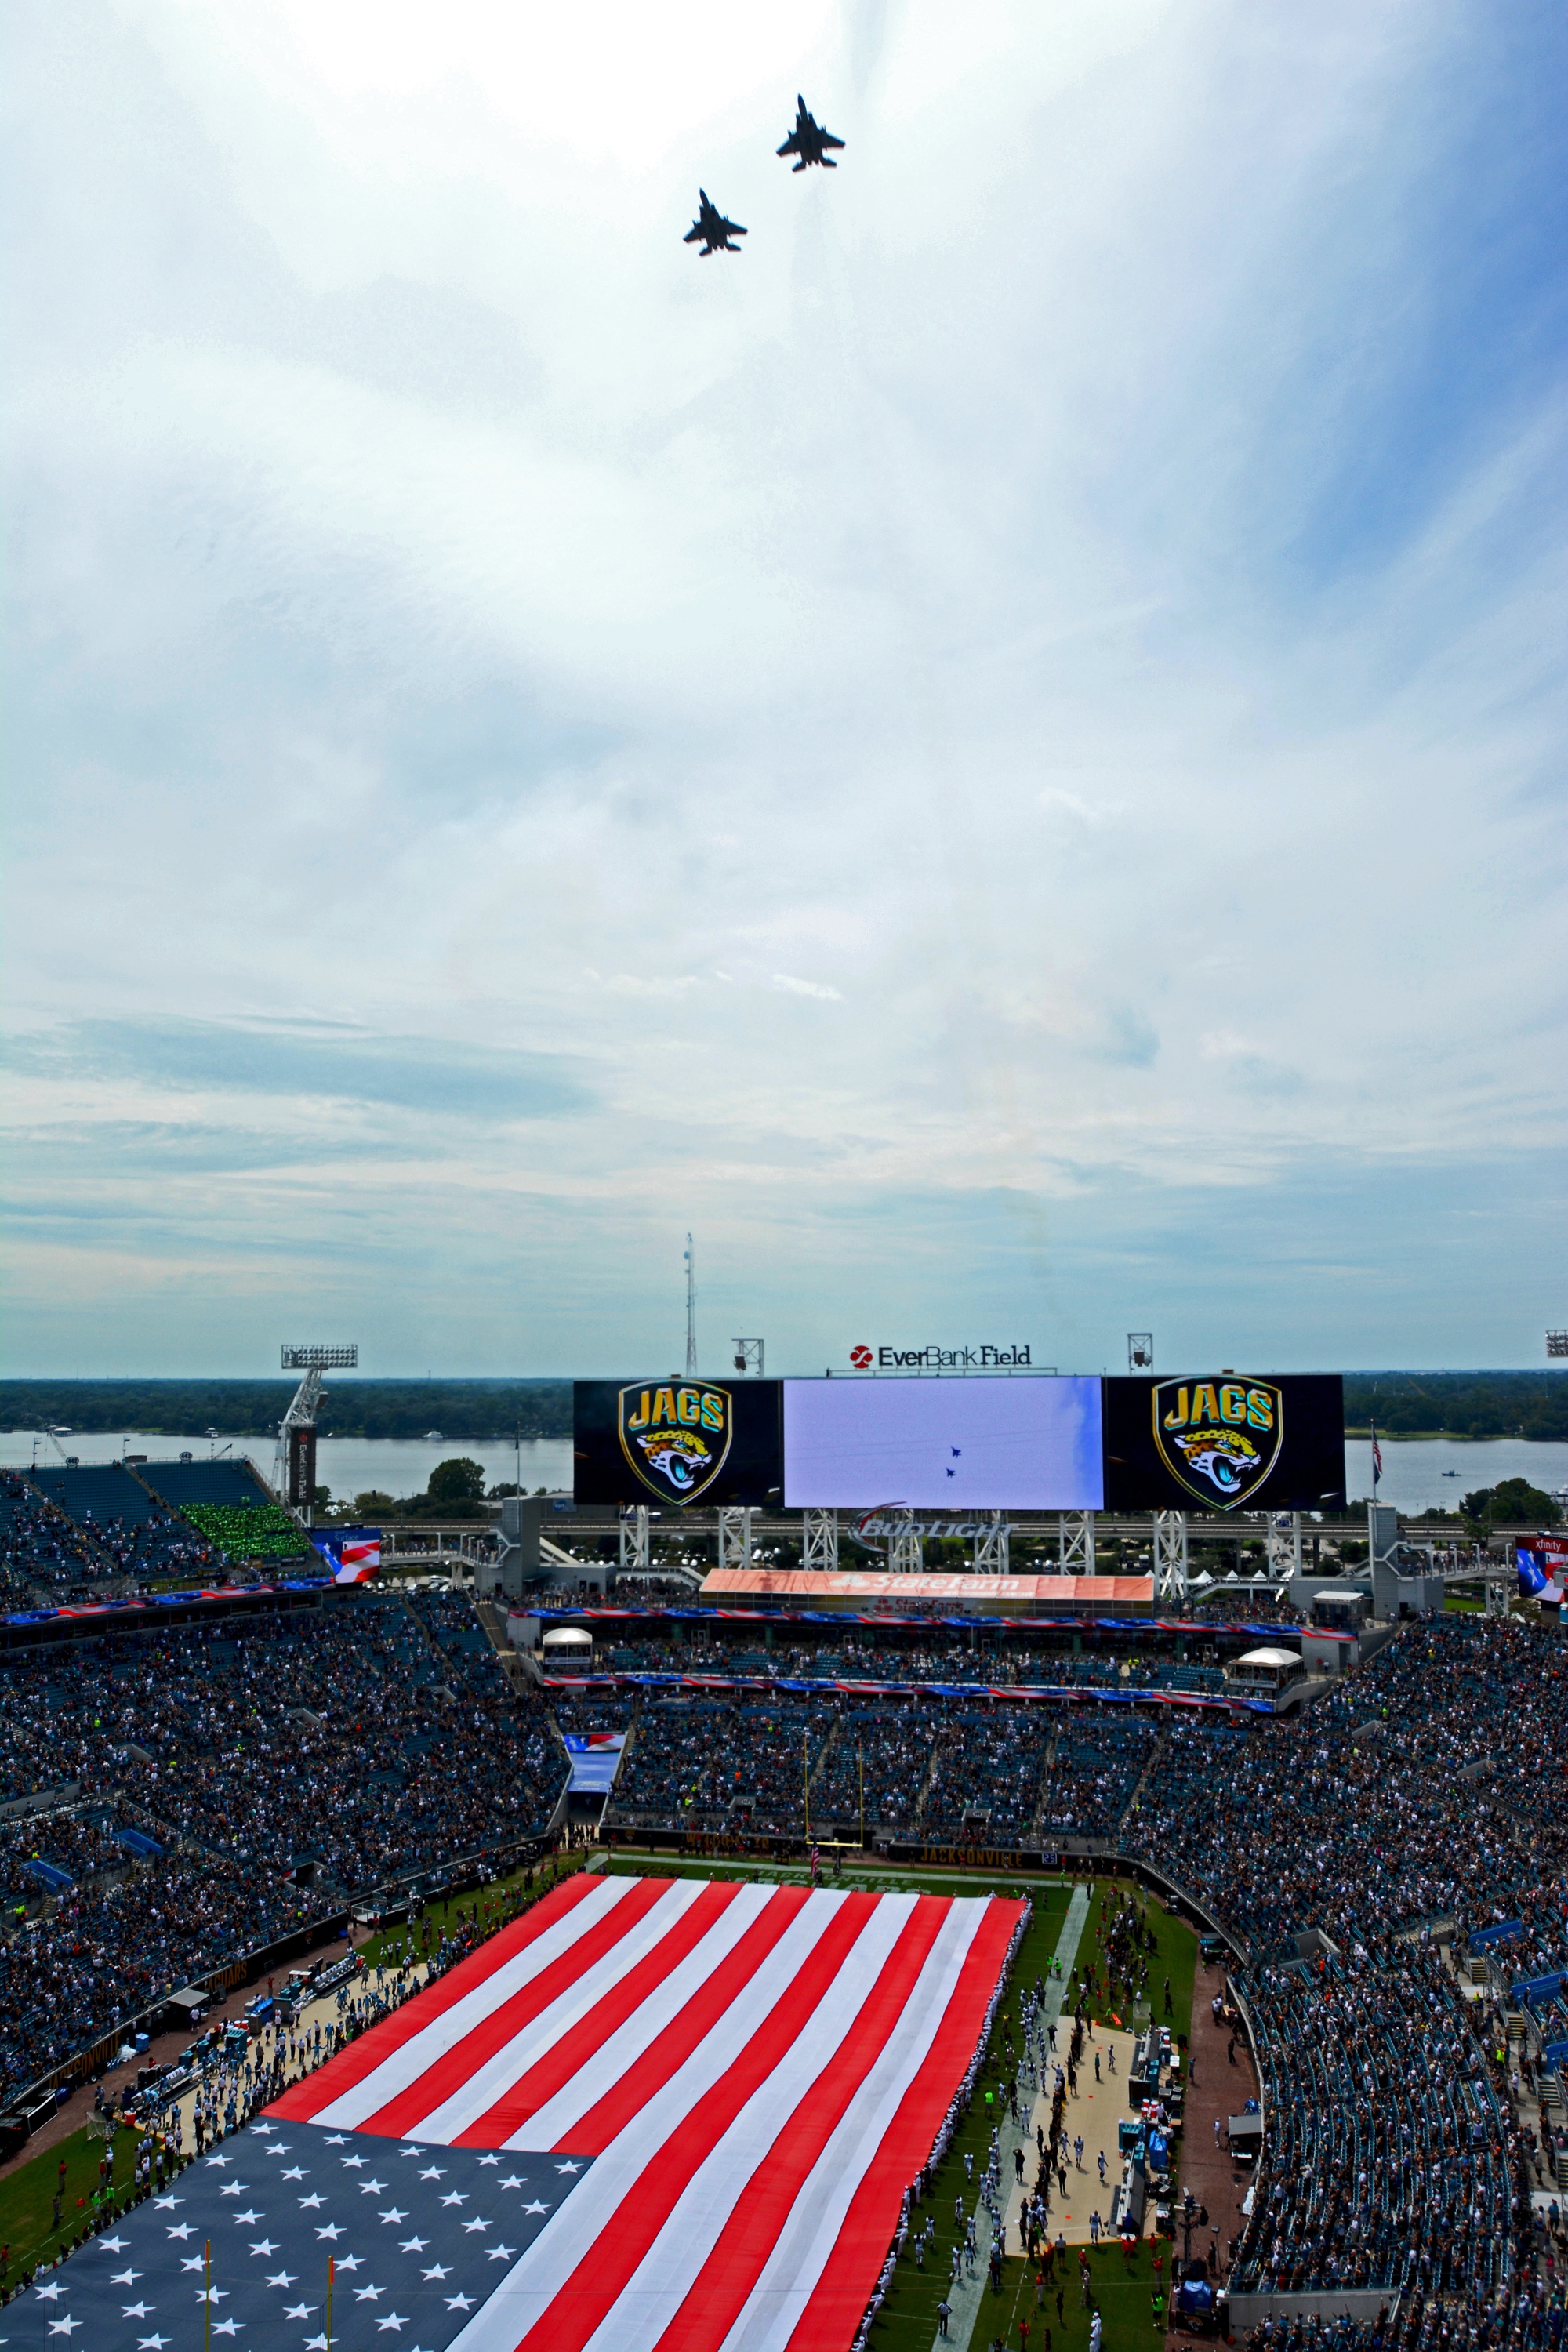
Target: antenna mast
{"x": 691, "y": 1310}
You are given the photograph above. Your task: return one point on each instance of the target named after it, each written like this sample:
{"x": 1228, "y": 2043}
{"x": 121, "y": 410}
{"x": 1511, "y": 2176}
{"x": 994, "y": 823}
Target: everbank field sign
{"x": 987, "y": 1359}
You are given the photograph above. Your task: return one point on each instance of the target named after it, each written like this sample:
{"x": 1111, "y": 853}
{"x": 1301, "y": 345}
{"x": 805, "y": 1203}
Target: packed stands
{"x": 987, "y": 1774}
{"x": 103, "y": 1953}
{"x": 1392, "y": 2161}
{"x": 594, "y": 1712}
{"x": 702, "y": 1763}
{"x": 65, "y": 1529}
{"x": 64, "y": 1850}
{"x": 1390, "y": 2099}
{"x": 40, "y": 1550}
{"x": 236, "y": 1773}
{"x": 887, "y": 1747}
{"x": 1346, "y": 1851}
{"x": 133, "y": 1529}
{"x": 1097, "y": 1766}
{"x": 227, "y": 1503}
{"x": 1418, "y": 1798}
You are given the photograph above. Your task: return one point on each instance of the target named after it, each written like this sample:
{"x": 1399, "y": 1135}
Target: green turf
{"x": 26, "y": 2196}
{"x": 488, "y": 1906}
{"x": 907, "y": 2321}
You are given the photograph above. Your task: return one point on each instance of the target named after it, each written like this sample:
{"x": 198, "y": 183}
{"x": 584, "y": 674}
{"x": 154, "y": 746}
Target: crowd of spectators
{"x": 297, "y": 1753}
{"x": 659, "y": 1592}
{"x": 101, "y": 1955}
{"x": 281, "y": 1761}
{"x": 1416, "y": 1801}
{"x": 1393, "y": 2157}
{"x": 1098, "y": 1763}
{"x": 885, "y": 1748}
{"x": 861, "y": 1658}
{"x": 240, "y": 1531}
{"x": 40, "y": 1550}
{"x": 34, "y": 1853}
{"x": 581, "y": 1712}
{"x": 987, "y": 1774}
{"x": 159, "y": 1545}
{"x": 945, "y": 1769}
{"x": 703, "y": 1763}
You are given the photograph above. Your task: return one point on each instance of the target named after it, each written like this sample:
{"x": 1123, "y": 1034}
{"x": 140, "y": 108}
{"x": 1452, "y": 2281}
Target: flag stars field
{"x": 668, "y": 2111}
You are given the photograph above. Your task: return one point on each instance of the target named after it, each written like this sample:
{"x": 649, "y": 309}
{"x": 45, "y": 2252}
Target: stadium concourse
{"x": 1386, "y": 1866}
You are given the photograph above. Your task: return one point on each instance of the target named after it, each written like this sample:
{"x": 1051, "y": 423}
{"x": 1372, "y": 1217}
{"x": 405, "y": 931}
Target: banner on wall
{"x": 300, "y": 1469}
{"x": 1226, "y": 1442}
{"x": 673, "y": 1442}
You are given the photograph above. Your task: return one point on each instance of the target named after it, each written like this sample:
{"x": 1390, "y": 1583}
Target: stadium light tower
{"x": 294, "y": 1464}
{"x": 748, "y": 1355}
{"x": 1557, "y": 1343}
{"x": 1139, "y": 1352}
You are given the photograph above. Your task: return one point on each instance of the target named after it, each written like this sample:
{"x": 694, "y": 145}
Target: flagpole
{"x": 805, "y": 1780}
{"x": 207, "y": 2295}
{"x": 331, "y": 2268}
{"x": 861, "y": 1761}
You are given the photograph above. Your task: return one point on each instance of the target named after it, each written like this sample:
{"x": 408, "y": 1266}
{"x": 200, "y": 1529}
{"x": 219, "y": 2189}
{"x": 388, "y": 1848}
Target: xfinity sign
{"x": 940, "y": 1360}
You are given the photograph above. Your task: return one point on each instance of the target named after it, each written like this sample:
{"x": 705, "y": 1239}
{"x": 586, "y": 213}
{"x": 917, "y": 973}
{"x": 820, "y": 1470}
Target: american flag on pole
{"x": 654, "y": 2112}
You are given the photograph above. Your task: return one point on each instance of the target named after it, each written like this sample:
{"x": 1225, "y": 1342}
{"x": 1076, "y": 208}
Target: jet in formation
{"x": 713, "y": 229}
{"x": 809, "y": 140}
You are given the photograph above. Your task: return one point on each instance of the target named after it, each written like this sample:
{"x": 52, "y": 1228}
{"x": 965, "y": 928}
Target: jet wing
{"x": 827, "y": 139}
{"x": 791, "y": 145}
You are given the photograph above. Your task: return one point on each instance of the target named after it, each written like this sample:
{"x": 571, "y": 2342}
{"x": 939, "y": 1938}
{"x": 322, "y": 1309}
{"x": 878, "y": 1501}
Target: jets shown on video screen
{"x": 712, "y": 228}
{"x": 808, "y": 139}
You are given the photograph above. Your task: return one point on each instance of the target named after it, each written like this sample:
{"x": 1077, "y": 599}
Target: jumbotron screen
{"x": 946, "y": 1445}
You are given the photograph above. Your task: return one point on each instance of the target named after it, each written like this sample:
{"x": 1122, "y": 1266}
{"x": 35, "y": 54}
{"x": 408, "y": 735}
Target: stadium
{"x": 829, "y": 1958}
{"x": 900, "y": 651}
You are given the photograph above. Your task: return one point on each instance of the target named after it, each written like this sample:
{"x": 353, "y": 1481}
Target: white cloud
{"x": 793, "y": 987}
{"x": 449, "y": 609}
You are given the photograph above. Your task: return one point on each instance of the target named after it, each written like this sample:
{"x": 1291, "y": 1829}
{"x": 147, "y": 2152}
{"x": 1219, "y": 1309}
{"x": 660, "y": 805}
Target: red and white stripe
{"x": 757, "y": 2073}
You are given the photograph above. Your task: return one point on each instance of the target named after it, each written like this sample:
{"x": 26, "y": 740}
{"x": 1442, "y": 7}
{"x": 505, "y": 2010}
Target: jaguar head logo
{"x": 1218, "y": 1439}
{"x": 675, "y": 1435}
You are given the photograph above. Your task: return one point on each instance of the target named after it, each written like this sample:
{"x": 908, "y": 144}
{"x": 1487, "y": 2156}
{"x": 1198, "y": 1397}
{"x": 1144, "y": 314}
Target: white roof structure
{"x": 1263, "y": 1658}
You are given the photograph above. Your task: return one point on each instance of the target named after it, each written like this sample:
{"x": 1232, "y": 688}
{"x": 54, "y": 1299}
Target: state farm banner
{"x": 1225, "y": 1442}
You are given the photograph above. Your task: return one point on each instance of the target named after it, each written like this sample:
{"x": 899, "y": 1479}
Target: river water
{"x": 348, "y": 1466}
{"x": 1413, "y": 1470}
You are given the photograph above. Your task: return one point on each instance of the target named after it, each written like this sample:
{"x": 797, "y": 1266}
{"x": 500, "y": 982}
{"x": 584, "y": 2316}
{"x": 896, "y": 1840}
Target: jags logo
{"x": 1218, "y": 1439}
{"x": 676, "y": 1437}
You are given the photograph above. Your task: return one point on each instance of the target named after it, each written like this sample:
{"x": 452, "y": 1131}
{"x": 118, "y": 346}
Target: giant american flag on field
{"x": 667, "y": 2112}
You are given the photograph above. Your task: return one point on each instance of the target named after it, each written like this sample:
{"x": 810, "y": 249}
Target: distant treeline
{"x": 1460, "y": 1404}
{"x": 1404, "y": 1404}
{"x": 471, "y": 1410}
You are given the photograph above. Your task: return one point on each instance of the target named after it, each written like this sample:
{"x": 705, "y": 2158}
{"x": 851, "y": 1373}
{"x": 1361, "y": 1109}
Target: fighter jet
{"x": 712, "y": 228}
{"x": 808, "y": 139}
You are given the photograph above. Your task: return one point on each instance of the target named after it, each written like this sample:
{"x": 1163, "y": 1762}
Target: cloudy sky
{"x": 999, "y": 756}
